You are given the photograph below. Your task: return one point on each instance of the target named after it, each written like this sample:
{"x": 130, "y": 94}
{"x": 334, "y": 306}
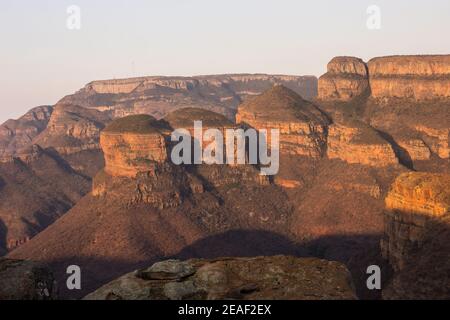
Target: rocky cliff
{"x": 302, "y": 125}
{"x": 72, "y": 129}
{"x": 415, "y": 200}
{"x": 157, "y": 96}
{"x": 261, "y": 278}
{"x": 417, "y": 233}
{"x": 131, "y": 144}
{"x": 17, "y": 134}
{"x": 346, "y": 79}
{"x": 143, "y": 208}
{"x": 356, "y": 142}
{"x": 413, "y": 77}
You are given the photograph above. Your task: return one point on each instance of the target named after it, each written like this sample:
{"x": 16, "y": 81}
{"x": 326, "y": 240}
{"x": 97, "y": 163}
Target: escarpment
{"x": 18, "y": 134}
{"x": 414, "y": 77}
{"x": 302, "y": 126}
{"x": 72, "y": 129}
{"x": 158, "y": 96}
{"x": 346, "y": 79}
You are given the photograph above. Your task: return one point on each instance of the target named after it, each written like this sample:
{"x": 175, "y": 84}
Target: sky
{"x": 42, "y": 60}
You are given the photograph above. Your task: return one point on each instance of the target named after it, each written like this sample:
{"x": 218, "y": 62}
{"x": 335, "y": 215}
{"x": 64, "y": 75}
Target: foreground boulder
{"x": 25, "y": 280}
{"x": 278, "y": 277}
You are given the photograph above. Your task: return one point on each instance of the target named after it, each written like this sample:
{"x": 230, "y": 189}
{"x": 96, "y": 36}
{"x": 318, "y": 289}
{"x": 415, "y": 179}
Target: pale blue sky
{"x": 41, "y": 60}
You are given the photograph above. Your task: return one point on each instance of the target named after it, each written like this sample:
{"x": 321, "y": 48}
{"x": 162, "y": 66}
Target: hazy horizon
{"x": 42, "y": 60}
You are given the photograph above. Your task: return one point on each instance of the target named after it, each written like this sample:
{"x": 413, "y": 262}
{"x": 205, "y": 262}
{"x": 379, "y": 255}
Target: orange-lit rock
{"x": 438, "y": 139}
{"x": 416, "y": 149}
{"x": 356, "y": 142}
{"x": 302, "y": 126}
{"x": 132, "y": 144}
{"x": 415, "y": 200}
{"x": 346, "y": 78}
{"x": 413, "y": 77}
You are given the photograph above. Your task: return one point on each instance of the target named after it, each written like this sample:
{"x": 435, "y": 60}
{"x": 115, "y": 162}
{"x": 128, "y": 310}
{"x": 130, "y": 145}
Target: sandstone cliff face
{"x": 17, "y": 134}
{"x": 131, "y": 145}
{"x": 346, "y": 79}
{"x": 302, "y": 126}
{"x": 26, "y": 280}
{"x": 357, "y": 143}
{"x": 274, "y": 278}
{"x": 413, "y": 77}
{"x": 72, "y": 129}
{"x": 158, "y": 96}
{"x": 415, "y": 200}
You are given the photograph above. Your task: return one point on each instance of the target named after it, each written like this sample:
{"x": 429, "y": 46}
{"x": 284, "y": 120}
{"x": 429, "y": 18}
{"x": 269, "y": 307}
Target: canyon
{"x": 363, "y": 179}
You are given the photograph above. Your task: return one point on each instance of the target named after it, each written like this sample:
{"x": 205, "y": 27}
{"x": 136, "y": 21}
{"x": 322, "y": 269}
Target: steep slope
{"x": 17, "y": 134}
{"x": 35, "y": 190}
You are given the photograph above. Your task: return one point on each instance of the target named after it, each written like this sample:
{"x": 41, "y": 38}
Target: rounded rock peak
{"x": 137, "y": 124}
{"x": 279, "y": 104}
{"x": 183, "y": 118}
{"x": 347, "y": 65}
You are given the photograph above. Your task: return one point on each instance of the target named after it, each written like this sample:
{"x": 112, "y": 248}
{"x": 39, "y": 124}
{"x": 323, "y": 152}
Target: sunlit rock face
{"x": 358, "y": 143}
{"x": 414, "y": 77}
{"x": 345, "y": 79}
{"x": 302, "y": 126}
{"x": 415, "y": 200}
{"x": 132, "y": 144}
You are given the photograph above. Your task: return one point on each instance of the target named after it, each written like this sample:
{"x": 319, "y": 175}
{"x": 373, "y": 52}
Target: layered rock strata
{"x": 302, "y": 126}
{"x": 356, "y": 142}
{"x": 345, "y": 79}
{"x": 413, "y": 77}
{"x": 132, "y": 144}
{"x": 416, "y": 199}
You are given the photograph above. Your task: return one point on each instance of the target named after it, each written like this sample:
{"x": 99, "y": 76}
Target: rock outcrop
{"x": 302, "y": 125}
{"x": 26, "y": 280}
{"x": 346, "y": 79}
{"x": 356, "y": 142}
{"x": 261, "y": 278}
{"x": 412, "y": 77}
{"x": 415, "y": 200}
{"x": 132, "y": 145}
{"x": 72, "y": 129}
{"x": 17, "y": 134}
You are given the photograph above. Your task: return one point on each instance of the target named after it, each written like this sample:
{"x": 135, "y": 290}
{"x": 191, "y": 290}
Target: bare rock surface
{"x": 260, "y": 278}
{"x": 26, "y": 280}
